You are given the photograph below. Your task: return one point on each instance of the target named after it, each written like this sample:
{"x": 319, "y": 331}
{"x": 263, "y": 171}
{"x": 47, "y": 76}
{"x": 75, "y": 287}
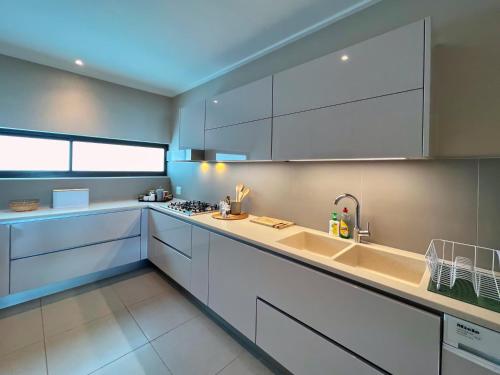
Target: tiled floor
{"x": 130, "y": 325}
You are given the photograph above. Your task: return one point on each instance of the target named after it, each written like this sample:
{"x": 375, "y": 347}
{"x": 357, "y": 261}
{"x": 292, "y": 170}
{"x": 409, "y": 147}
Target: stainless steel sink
{"x": 316, "y": 244}
{"x": 385, "y": 263}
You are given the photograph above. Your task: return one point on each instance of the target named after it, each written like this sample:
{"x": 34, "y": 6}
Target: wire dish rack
{"x": 450, "y": 261}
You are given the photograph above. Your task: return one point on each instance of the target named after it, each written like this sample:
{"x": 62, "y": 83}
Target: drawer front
{"x": 175, "y": 233}
{"x": 4, "y": 260}
{"x": 249, "y": 141}
{"x": 42, "y": 270}
{"x": 173, "y": 263}
{"x": 354, "y": 317}
{"x": 389, "y": 126}
{"x": 389, "y": 63}
{"x": 44, "y": 236}
{"x": 243, "y": 104}
{"x": 300, "y": 350}
{"x": 199, "y": 264}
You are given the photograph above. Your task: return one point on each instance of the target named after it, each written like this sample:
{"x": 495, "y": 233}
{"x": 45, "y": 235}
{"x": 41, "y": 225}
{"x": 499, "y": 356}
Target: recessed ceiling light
{"x": 215, "y": 101}
{"x": 344, "y": 58}
{"x": 79, "y": 62}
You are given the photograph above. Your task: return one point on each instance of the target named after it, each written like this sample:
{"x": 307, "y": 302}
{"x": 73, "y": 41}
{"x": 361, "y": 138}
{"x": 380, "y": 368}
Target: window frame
{"x": 80, "y": 138}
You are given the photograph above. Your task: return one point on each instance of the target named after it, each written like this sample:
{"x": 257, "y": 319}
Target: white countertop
{"x": 265, "y": 237}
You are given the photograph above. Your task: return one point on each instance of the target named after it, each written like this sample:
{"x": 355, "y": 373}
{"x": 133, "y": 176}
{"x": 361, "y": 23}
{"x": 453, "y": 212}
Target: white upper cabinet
{"x": 243, "y": 104}
{"x": 192, "y": 126}
{"x": 389, "y": 63}
{"x": 370, "y": 100}
{"x": 4, "y": 260}
{"x": 249, "y": 141}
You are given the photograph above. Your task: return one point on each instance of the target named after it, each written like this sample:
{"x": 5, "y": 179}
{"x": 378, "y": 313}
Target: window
{"x": 36, "y": 154}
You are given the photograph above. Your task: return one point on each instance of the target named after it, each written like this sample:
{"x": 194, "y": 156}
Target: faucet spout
{"x": 358, "y": 232}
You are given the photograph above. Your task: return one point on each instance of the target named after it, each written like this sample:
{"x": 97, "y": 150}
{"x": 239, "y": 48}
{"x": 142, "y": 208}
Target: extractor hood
{"x": 188, "y": 155}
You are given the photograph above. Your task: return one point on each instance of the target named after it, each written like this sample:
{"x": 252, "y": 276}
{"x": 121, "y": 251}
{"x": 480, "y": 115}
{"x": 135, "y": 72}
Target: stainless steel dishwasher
{"x": 469, "y": 349}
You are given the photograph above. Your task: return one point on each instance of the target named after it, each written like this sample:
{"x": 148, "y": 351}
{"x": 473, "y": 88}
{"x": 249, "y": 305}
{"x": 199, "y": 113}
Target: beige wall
{"x": 407, "y": 202}
{"x": 37, "y": 97}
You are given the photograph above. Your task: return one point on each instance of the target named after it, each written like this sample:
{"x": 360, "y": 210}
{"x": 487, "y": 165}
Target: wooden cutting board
{"x": 241, "y": 216}
{"x": 272, "y": 222}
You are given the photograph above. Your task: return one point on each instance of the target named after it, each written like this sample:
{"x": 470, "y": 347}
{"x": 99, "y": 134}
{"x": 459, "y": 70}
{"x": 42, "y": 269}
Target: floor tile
{"x": 142, "y": 361}
{"x": 141, "y": 287}
{"x": 198, "y": 347}
{"x": 245, "y": 364}
{"x": 20, "y": 326}
{"x": 65, "y": 311}
{"x": 93, "y": 345}
{"x": 29, "y": 360}
{"x": 162, "y": 313}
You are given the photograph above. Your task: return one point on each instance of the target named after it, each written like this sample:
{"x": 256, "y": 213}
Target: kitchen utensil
{"x": 219, "y": 216}
{"x": 272, "y": 222}
{"x": 235, "y": 208}
{"x": 244, "y": 193}
{"x": 239, "y": 188}
{"x": 22, "y": 205}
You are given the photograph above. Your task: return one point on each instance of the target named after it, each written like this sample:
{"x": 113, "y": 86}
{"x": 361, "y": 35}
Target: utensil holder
{"x": 235, "y": 208}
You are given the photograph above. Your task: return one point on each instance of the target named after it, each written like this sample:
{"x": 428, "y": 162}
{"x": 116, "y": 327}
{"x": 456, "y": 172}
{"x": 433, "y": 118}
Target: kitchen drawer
{"x": 301, "y": 350}
{"x": 175, "y": 233}
{"x": 249, "y": 141}
{"x": 44, "y": 236}
{"x": 244, "y": 104}
{"x": 397, "y": 337}
{"x": 41, "y": 270}
{"x": 389, "y": 63}
{"x": 172, "y": 262}
{"x": 4, "y": 260}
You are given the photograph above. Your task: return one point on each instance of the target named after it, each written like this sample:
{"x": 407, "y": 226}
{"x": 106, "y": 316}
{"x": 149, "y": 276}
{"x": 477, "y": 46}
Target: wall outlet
{"x": 178, "y": 190}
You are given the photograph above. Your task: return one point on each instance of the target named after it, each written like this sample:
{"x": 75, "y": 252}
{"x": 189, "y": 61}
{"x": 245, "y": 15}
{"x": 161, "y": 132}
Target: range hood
{"x": 188, "y": 155}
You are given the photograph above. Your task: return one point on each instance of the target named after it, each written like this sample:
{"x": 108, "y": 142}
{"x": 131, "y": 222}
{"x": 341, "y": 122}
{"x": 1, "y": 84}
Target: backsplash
{"x": 408, "y": 203}
{"x": 101, "y": 189}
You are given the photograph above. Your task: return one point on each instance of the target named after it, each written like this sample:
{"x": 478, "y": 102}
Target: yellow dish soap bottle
{"x": 345, "y": 219}
{"x": 334, "y": 226}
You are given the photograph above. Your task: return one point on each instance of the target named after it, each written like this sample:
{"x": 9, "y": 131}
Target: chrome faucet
{"x": 358, "y": 233}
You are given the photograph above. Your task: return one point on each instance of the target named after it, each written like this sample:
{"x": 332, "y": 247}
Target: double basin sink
{"x": 362, "y": 257}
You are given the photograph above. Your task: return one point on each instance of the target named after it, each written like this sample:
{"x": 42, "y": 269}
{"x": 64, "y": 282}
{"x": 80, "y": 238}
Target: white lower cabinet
{"x": 199, "y": 263}
{"x": 302, "y": 351}
{"x": 41, "y": 270}
{"x": 232, "y": 282}
{"x": 4, "y": 260}
{"x": 174, "y": 232}
{"x": 174, "y": 263}
{"x": 394, "y": 336}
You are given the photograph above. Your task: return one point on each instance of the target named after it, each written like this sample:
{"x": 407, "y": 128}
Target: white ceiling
{"x": 162, "y": 46}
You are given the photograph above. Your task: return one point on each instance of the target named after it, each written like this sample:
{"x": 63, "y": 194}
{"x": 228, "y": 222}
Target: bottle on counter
{"x": 334, "y": 225}
{"x": 345, "y": 220}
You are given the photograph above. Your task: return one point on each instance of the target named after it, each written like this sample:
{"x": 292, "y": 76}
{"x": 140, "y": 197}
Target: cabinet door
{"x": 174, "y": 232}
{"x": 199, "y": 263}
{"x": 43, "y": 236}
{"x": 243, "y": 104}
{"x": 249, "y": 141}
{"x": 232, "y": 278}
{"x": 302, "y": 351}
{"x": 397, "y": 337}
{"x": 4, "y": 260}
{"x": 389, "y": 63}
{"x": 192, "y": 126}
{"x": 389, "y": 126}
{"x": 172, "y": 262}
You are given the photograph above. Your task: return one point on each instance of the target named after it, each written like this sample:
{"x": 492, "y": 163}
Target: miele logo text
{"x": 472, "y": 330}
